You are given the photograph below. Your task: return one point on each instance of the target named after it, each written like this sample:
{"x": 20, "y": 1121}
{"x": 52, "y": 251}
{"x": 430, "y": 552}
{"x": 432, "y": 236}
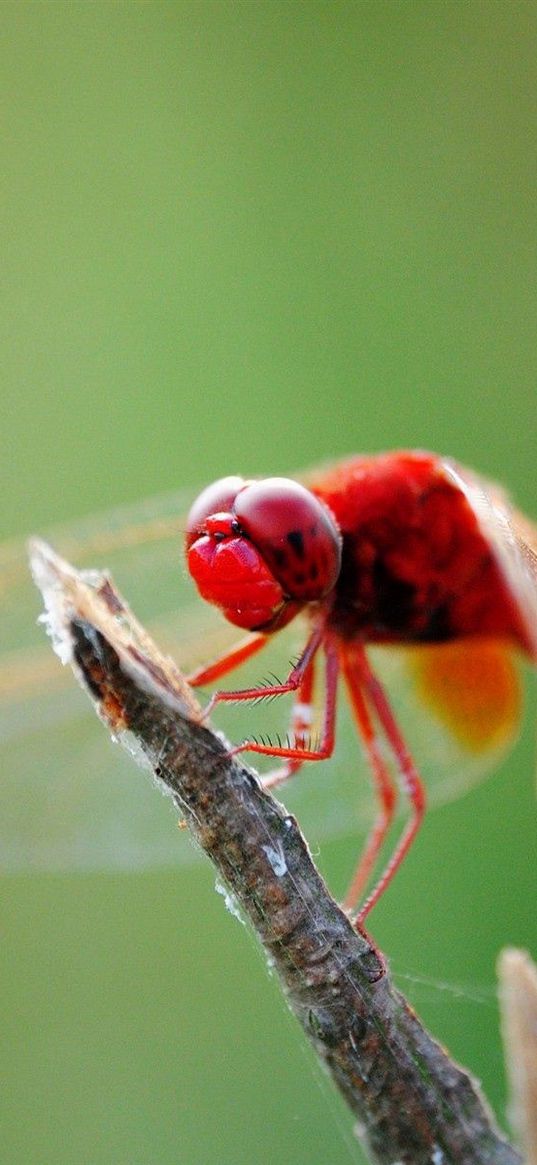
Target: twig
{"x": 414, "y": 1105}
{"x": 518, "y": 998}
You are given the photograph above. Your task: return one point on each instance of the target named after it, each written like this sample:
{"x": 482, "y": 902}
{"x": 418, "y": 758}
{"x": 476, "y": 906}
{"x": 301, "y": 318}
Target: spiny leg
{"x": 385, "y": 788}
{"x": 293, "y": 681}
{"x": 408, "y": 773}
{"x": 300, "y": 728}
{"x": 297, "y": 753}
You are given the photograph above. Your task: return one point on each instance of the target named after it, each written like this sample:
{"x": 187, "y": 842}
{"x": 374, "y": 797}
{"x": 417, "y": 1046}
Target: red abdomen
{"x": 416, "y": 565}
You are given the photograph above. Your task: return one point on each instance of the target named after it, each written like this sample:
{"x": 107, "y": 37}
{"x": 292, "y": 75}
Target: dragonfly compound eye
{"x": 295, "y": 534}
{"x": 217, "y": 498}
{"x": 229, "y": 571}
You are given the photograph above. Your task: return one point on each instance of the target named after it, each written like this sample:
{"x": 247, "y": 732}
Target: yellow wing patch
{"x": 473, "y": 687}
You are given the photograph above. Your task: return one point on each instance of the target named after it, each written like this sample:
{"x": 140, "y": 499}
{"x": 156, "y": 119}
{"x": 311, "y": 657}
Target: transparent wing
{"x": 71, "y": 799}
{"x": 68, "y": 797}
{"x": 459, "y": 705}
{"x": 513, "y": 540}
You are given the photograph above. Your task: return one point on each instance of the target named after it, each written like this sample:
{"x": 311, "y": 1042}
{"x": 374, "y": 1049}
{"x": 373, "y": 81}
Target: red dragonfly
{"x": 398, "y": 548}
{"x": 69, "y": 801}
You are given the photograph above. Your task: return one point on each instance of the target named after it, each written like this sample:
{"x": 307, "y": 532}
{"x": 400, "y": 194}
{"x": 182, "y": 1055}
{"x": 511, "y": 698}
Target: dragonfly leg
{"x": 229, "y": 661}
{"x": 300, "y": 729}
{"x": 385, "y": 788}
{"x": 408, "y": 773}
{"x": 296, "y": 753}
{"x": 291, "y": 684}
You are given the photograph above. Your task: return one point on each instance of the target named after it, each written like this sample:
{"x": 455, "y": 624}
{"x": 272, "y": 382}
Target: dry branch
{"x": 414, "y": 1106}
{"x": 518, "y": 998}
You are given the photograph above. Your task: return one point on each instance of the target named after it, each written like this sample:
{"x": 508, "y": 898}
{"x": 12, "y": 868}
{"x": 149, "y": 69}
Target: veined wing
{"x": 67, "y": 798}
{"x": 70, "y": 799}
{"x": 512, "y": 538}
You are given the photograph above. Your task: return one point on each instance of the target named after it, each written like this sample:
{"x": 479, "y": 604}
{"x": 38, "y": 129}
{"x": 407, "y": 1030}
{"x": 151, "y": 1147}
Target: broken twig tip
{"x": 518, "y": 1000}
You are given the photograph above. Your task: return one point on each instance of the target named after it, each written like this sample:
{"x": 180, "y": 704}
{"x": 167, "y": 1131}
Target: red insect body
{"x": 400, "y": 548}
{"x": 416, "y": 567}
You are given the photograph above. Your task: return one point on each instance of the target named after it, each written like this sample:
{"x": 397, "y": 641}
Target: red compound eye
{"x": 218, "y": 498}
{"x": 294, "y": 533}
{"x": 227, "y": 568}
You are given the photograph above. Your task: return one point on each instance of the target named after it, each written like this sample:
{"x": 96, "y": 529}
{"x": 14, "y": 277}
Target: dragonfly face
{"x": 260, "y": 550}
{"x": 71, "y": 800}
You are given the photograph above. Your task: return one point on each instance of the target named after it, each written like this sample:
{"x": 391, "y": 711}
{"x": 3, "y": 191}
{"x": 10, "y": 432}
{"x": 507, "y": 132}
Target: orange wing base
{"x": 473, "y": 687}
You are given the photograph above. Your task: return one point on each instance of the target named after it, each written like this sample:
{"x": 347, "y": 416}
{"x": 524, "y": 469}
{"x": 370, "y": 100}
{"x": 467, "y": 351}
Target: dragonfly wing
{"x": 69, "y": 799}
{"x": 458, "y": 705}
{"x": 513, "y": 539}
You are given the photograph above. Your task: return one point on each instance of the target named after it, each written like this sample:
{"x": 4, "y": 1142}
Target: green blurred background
{"x": 246, "y": 237}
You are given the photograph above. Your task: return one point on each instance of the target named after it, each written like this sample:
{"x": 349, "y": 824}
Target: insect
{"x": 401, "y": 548}
{"x": 68, "y": 801}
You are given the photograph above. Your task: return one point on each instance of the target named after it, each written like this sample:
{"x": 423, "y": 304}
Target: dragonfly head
{"x": 261, "y": 550}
